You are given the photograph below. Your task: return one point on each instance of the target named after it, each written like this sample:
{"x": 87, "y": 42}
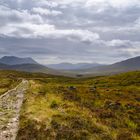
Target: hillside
{"x": 132, "y": 64}
{"x": 22, "y": 64}
{"x": 72, "y": 70}
{"x": 12, "y": 60}
{"x": 2, "y": 66}
{"x": 7, "y": 82}
{"x": 103, "y": 108}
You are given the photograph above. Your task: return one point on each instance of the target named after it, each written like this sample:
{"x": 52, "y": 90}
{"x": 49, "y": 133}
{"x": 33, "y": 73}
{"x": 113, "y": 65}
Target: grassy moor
{"x": 63, "y": 108}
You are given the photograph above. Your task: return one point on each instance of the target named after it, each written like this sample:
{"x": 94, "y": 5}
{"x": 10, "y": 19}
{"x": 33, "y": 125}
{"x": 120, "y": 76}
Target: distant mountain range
{"x": 70, "y": 66}
{"x": 23, "y": 64}
{"x": 132, "y": 64}
{"x": 68, "y": 69}
{"x": 12, "y": 60}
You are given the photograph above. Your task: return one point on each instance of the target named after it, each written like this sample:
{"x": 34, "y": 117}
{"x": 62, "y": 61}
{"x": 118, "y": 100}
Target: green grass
{"x": 96, "y": 108}
{"x": 7, "y": 81}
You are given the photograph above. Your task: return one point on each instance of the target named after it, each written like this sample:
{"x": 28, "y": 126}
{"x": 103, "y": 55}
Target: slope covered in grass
{"x": 7, "y": 82}
{"x": 98, "y": 108}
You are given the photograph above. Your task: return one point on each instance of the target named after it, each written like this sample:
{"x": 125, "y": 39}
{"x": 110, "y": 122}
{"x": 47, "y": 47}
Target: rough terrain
{"x": 10, "y": 104}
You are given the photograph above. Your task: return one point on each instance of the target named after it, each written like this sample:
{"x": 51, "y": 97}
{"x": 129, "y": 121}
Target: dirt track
{"x": 10, "y": 104}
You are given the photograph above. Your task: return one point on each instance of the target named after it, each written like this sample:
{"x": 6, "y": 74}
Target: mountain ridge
{"x": 13, "y": 60}
{"x": 71, "y": 66}
{"x": 132, "y": 64}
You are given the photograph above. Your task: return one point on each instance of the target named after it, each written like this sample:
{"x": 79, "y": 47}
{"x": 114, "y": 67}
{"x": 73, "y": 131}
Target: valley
{"x": 28, "y": 64}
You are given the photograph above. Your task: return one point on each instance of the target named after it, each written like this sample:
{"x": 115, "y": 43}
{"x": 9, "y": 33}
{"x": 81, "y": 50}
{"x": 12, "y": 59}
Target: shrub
{"x": 54, "y": 104}
{"x": 124, "y": 136}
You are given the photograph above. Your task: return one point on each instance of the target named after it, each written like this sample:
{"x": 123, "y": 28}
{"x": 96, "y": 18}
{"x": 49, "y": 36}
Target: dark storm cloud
{"x": 53, "y": 31}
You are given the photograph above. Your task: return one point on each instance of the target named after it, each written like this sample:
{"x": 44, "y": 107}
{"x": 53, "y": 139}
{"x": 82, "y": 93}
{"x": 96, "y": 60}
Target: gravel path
{"x": 10, "y": 104}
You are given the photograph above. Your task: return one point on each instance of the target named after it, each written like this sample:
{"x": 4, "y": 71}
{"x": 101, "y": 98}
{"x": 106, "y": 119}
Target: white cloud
{"x": 124, "y": 3}
{"x": 99, "y": 30}
{"x": 45, "y": 11}
{"x": 28, "y": 25}
{"x": 9, "y": 15}
{"x": 119, "y": 43}
{"x": 29, "y": 30}
{"x": 127, "y": 46}
{"x": 43, "y": 3}
{"x": 100, "y": 3}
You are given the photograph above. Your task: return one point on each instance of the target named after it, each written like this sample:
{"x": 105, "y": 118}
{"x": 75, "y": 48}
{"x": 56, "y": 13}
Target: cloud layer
{"x": 103, "y": 31}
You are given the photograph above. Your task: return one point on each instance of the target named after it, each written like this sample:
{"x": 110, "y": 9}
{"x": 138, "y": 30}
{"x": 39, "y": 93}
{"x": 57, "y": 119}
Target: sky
{"x": 75, "y": 31}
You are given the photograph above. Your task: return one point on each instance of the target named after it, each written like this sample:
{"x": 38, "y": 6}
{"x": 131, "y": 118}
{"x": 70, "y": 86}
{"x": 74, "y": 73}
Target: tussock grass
{"x": 98, "y": 108}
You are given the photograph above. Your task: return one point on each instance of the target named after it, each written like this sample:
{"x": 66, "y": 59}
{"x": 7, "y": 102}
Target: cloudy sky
{"x": 53, "y": 31}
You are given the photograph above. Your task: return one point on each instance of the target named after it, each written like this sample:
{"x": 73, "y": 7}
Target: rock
{"x": 92, "y": 89}
{"x": 113, "y": 105}
{"x": 14, "y": 119}
{"x": 79, "y": 75}
{"x": 72, "y": 88}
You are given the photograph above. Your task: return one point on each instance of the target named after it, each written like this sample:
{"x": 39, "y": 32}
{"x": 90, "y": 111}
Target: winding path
{"x": 10, "y": 104}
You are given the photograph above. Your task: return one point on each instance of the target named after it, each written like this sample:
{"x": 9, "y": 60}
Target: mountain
{"x": 70, "y": 66}
{"x": 23, "y": 64}
{"x": 131, "y": 64}
{"x": 12, "y": 60}
{"x": 26, "y": 64}
{"x": 2, "y": 66}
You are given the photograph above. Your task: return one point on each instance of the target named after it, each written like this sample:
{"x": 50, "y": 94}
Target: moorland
{"x": 64, "y": 108}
